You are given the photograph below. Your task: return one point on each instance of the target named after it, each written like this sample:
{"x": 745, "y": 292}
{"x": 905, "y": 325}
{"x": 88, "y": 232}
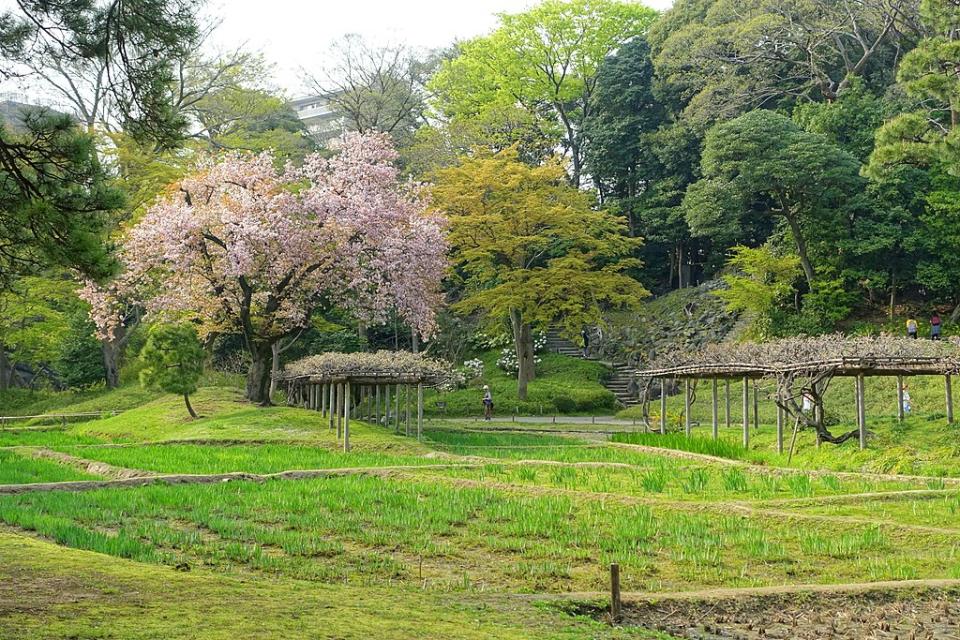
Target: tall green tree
{"x": 546, "y": 61}
{"x": 531, "y": 249}
{"x": 763, "y": 166}
{"x": 52, "y": 191}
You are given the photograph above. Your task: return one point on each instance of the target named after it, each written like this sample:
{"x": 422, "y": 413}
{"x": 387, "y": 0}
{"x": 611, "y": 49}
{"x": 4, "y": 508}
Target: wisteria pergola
{"x": 801, "y": 367}
{"x": 365, "y": 385}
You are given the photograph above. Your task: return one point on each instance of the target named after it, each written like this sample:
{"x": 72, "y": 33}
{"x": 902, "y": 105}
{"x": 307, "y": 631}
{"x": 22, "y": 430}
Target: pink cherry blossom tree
{"x": 245, "y": 248}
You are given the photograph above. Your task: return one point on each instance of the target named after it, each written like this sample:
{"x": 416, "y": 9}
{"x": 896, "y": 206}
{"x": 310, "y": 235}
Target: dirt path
{"x": 183, "y": 478}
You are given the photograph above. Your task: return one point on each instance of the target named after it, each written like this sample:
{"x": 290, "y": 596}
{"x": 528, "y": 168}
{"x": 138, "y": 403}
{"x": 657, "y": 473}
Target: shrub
{"x": 565, "y": 404}
{"x": 173, "y": 360}
{"x": 80, "y": 363}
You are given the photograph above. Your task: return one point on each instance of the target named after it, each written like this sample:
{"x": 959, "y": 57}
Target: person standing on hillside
{"x": 487, "y": 403}
{"x": 585, "y": 337}
{"x": 912, "y": 327}
{"x": 935, "y": 326}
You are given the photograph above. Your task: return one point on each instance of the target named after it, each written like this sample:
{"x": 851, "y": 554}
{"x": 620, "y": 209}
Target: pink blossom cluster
{"x": 245, "y": 247}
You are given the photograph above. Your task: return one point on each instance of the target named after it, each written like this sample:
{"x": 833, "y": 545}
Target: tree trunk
{"x": 111, "y": 360}
{"x": 523, "y": 345}
{"x": 186, "y": 400}
{"x": 801, "y": 249}
{"x": 258, "y": 376}
{"x": 4, "y": 369}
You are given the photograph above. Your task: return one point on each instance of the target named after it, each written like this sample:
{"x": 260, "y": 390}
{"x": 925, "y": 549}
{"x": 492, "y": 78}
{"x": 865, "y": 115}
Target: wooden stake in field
{"x": 616, "y": 606}
{"x": 746, "y": 413}
{"x": 714, "y": 422}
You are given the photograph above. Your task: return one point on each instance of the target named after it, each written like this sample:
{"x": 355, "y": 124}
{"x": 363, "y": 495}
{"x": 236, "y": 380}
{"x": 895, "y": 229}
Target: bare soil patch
{"x": 927, "y": 614}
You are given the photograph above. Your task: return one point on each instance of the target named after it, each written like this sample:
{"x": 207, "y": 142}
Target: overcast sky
{"x": 295, "y": 33}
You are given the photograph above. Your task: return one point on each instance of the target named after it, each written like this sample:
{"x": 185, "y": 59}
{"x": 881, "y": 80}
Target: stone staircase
{"x": 619, "y": 380}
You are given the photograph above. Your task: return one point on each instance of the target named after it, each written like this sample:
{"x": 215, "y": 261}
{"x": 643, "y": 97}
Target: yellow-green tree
{"x": 530, "y": 248}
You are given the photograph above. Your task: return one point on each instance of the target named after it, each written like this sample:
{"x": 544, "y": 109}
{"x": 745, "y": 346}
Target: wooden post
{"x": 899, "y": 398}
{"x": 341, "y": 397}
{"x": 346, "y": 418}
{"x": 323, "y": 400}
{"x": 419, "y": 411}
{"x": 948, "y": 386}
{"x": 377, "y": 404}
{"x": 687, "y": 426}
{"x": 779, "y": 429}
{"x": 715, "y": 417}
{"x": 663, "y": 406}
{"x": 756, "y": 406}
{"x": 615, "y": 604}
{"x": 746, "y": 413}
{"x": 396, "y": 410}
{"x": 407, "y": 393}
{"x": 862, "y": 417}
{"x": 726, "y": 393}
{"x": 331, "y": 404}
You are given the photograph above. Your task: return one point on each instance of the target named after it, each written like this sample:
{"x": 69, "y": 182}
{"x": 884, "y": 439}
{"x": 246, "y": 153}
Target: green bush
{"x": 80, "y": 363}
{"x": 565, "y": 404}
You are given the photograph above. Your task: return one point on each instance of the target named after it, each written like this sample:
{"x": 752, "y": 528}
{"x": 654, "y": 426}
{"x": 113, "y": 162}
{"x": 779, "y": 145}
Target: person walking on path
{"x": 907, "y": 407}
{"x": 585, "y": 337}
{"x": 911, "y": 327}
{"x": 935, "y": 326}
{"x": 487, "y": 403}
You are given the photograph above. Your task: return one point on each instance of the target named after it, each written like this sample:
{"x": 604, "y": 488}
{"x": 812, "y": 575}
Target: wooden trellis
{"x": 341, "y": 386}
{"x": 795, "y": 381}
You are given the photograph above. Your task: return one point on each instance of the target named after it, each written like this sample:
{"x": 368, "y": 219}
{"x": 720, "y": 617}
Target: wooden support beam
{"x": 419, "y": 412}
{"x": 377, "y": 404}
{"x": 779, "y": 429}
{"x": 726, "y": 393}
{"x": 346, "y": 418}
{"x": 407, "y": 393}
{"x": 746, "y": 413}
{"x": 715, "y": 417}
{"x": 948, "y": 388}
{"x": 396, "y": 411}
{"x": 663, "y": 407}
{"x": 756, "y": 406}
{"x": 687, "y": 425}
{"x": 862, "y": 423}
{"x": 331, "y": 404}
{"x": 323, "y": 400}
{"x": 899, "y": 398}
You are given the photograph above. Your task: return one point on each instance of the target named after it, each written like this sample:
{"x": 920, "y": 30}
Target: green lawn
{"x": 563, "y": 385}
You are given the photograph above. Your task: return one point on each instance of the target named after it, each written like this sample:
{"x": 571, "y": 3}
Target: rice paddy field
{"x": 471, "y": 533}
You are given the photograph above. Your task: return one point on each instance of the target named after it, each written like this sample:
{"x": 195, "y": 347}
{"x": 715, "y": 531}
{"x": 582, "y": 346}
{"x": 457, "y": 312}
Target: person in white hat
{"x": 487, "y": 403}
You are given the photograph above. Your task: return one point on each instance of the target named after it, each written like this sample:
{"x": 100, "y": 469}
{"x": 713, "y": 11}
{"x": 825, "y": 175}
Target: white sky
{"x": 295, "y": 34}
